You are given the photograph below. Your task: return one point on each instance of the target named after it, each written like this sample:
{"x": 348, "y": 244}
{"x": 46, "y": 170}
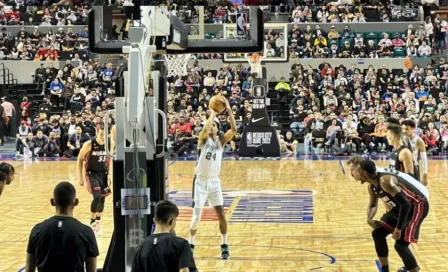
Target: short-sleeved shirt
{"x": 62, "y": 242}
{"x": 163, "y": 252}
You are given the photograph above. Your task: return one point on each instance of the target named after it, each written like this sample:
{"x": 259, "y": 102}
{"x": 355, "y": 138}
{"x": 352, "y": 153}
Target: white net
{"x": 255, "y": 65}
{"x": 177, "y": 64}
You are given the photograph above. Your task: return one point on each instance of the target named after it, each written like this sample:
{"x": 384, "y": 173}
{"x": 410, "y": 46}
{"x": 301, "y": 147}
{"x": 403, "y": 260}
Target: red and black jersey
{"x": 97, "y": 159}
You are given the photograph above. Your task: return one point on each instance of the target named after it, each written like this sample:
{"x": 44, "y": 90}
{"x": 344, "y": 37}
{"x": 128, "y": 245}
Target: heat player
{"x": 409, "y": 200}
{"x": 206, "y": 183}
{"x": 95, "y": 169}
{"x": 7, "y": 173}
{"x": 401, "y": 159}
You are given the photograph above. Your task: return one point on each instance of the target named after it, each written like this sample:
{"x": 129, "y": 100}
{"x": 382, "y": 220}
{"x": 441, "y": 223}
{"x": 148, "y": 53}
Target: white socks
{"x": 191, "y": 239}
{"x": 224, "y": 239}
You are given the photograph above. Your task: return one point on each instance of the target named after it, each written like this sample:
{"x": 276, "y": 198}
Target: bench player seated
{"x": 288, "y": 143}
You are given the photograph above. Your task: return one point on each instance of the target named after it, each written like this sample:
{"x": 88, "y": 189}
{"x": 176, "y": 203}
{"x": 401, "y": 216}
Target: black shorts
{"x": 411, "y": 232}
{"x": 97, "y": 181}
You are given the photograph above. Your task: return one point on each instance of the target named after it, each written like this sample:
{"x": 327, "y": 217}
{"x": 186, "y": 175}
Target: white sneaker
{"x": 99, "y": 230}
{"x": 94, "y": 227}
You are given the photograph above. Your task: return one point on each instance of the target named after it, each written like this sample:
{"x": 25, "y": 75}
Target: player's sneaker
{"x": 403, "y": 269}
{"x": 225, "y": 254}
{"x": 94, "y": 227}
{"x": 99, "y": 230}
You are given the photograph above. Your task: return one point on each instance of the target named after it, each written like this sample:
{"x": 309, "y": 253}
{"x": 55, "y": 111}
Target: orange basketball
{"x": 217, "y": 103}
{"x": 408, "y": 63}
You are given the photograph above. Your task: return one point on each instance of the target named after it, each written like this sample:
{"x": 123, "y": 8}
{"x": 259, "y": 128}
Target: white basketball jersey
{"x": 209, "y": 160}
{"x": 415, "y": 151}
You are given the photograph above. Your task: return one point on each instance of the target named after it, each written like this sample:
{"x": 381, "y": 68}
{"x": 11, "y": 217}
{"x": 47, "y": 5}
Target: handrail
{"x": 164, "y": 131}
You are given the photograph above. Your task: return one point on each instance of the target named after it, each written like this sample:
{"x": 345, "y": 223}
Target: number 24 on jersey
{"x": 210, "y": 156}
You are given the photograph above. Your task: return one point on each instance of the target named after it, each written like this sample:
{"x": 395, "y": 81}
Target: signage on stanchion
{"x": 241, "y": 29}
{"x": 259, "y": 138}
{"x": 256, "y": 139}
{"x": 135, "y": 201}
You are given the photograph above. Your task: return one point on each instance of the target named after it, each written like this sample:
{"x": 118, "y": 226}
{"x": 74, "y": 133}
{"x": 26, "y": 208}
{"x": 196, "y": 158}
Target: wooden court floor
{"x": 297, "y": 215}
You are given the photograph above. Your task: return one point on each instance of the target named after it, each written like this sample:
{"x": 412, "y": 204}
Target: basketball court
{"x": 288, "y": 215}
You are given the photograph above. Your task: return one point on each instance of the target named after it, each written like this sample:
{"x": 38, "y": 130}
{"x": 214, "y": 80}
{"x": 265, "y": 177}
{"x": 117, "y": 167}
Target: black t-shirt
{"x": 62, "y": 242}
{"x": 163, "y": 252}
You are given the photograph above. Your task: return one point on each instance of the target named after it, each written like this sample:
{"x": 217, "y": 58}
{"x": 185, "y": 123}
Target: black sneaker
{"x": 225, "y": 255}
{"x": 402, "y": 269}
{"x": 192, "y": 248}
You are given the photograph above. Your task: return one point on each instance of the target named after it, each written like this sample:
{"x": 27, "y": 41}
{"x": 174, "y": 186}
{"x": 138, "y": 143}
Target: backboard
{"x": 203, "y": 26}
{"x": 275, "y": 43}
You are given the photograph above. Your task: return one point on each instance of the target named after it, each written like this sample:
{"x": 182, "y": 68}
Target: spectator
{"x": 52, "y": 148}
{"x": 62, "y": 241}
{"x": 9, "y": 112}
{"x": 25, "y": 107}
{"x": 162, "y": 250}
{"x": 75, "y": 142}
{"x": 56, "y": 88}
{"x": 424, "y": 50}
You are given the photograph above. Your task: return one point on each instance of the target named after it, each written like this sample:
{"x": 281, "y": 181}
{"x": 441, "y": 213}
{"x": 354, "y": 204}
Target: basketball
{"x": 217, "y": 103}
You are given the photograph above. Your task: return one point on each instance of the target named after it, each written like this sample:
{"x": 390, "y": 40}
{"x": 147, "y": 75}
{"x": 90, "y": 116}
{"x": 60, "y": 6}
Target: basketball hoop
{"x": 255, "y": 65}
{"x": 177, "y": 64}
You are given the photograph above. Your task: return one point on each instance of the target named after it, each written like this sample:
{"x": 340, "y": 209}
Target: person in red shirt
{"x": 25, "y": 105}
{"x": 182, "y": 125}
{"x": 41, "y": 53}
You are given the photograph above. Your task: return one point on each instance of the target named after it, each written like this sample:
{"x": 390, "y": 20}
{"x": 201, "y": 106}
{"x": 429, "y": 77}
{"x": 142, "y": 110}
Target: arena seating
{"x": 332, "y": 90}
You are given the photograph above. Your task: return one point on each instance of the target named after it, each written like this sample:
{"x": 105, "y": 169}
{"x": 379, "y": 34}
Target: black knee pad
{"x": 406, "y": 255}
{"x": 379, "y": 237}
{"x": 101, "y": 205}
{"x": 96, "y": 201}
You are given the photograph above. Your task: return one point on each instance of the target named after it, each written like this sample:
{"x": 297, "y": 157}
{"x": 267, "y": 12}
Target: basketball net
{"x": 255, "y": 65}
{"x": 177, "y": 64}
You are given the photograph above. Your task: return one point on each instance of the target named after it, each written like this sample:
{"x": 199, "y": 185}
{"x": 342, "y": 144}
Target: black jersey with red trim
{"x": 394, "y": 160}
{"x": 97, "y": 159}
{"x": 414, "y": 191}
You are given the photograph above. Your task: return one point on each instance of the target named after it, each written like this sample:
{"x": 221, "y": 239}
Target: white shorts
{"x": 207, "y": 189}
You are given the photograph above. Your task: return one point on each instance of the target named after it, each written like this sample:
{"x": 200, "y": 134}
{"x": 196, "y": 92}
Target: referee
{"x": 163, "y": 251}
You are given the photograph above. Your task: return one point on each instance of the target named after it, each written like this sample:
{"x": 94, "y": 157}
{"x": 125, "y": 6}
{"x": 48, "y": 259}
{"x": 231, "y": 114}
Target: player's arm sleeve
{"x": 423, "y": 157}
{"x": 390, "y": 186}
{"x": 186, "y": 259}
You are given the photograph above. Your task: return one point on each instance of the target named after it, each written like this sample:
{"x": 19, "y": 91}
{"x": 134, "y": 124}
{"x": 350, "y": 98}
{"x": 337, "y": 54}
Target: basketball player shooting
{"x": 410, "y": 202}
{"x": 206, "y": 183}
{"x": 95, "y": 169}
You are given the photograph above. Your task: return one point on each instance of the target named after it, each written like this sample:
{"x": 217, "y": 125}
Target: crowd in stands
{"x": 323, "y": 98}
{"x": 83, "y": 94}
{"x": 344, "y": 104}
{"x": 341, "y": 103}
{"x": 310, "y": 42}
{"x": 44, "y": 45}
